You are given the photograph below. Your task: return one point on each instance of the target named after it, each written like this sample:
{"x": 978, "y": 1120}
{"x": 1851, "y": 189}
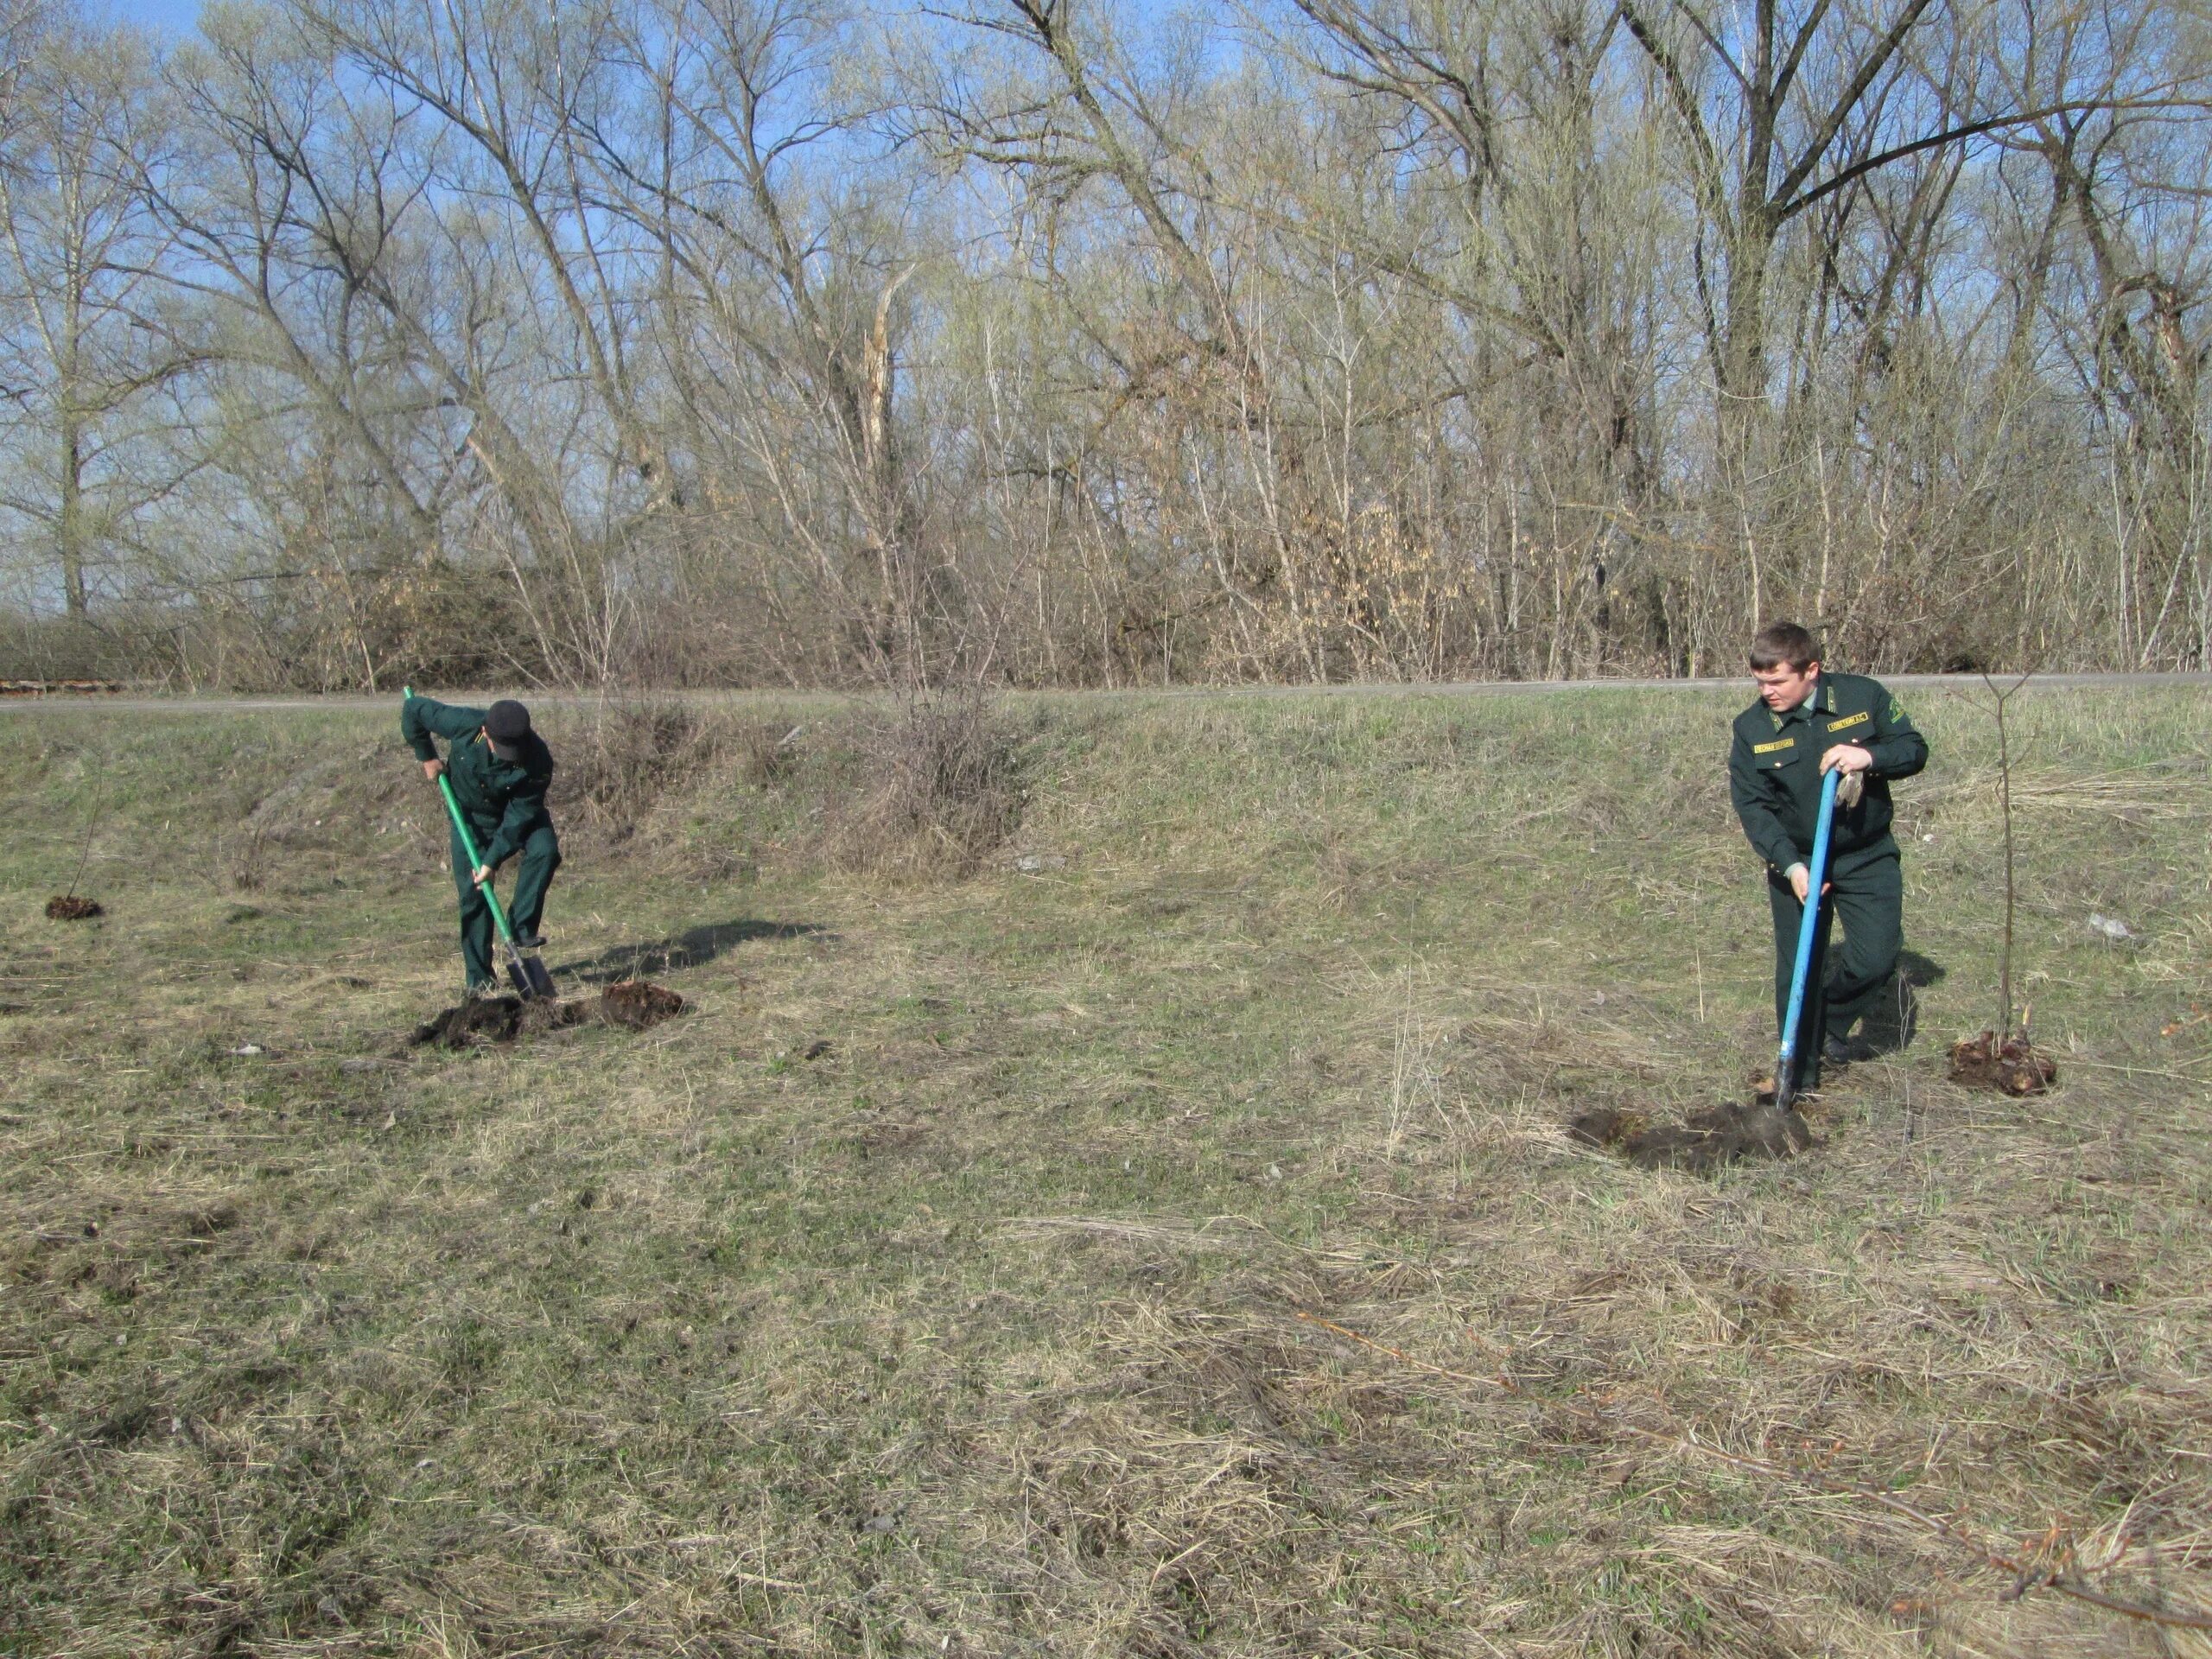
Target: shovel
{"x": 1785, "y": 1070}
{"x": 526, "y": 969}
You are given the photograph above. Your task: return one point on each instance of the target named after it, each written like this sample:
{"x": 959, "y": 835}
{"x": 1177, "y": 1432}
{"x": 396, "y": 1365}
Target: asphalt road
{"x": 1969, "y": 683}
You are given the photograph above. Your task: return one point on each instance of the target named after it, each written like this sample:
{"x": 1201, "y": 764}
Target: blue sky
{"x": 172, "y": 17}
{"x": 176, "y": 17}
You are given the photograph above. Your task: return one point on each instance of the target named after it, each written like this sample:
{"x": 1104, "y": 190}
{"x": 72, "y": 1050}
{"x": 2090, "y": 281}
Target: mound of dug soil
{"x": 480, "y": 1019}
{"x": 1702, "y": 1141}
{"x": 2012, "y": 1067}
{"x": 71, "y": 909}
{"x": 635, "y": 1004}
{"x": 638, "y": 1003}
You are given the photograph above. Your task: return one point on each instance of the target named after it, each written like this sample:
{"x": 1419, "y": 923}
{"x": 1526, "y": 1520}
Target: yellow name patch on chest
{"x": 1779, "y": 743}
{"x": 1859, "y": 718}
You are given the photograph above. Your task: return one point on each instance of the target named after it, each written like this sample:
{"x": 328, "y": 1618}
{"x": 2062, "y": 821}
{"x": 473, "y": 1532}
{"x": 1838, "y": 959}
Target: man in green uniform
{"x": 498, "y": 768}
{"x": 1805, "y": 724}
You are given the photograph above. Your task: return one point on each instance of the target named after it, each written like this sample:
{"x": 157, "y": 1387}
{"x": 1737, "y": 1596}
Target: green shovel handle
{"x": 469, "y": 846}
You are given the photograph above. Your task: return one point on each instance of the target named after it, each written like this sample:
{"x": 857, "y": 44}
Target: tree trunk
{"x": 1743, "y": 354}
{"x": 70, "y": 527}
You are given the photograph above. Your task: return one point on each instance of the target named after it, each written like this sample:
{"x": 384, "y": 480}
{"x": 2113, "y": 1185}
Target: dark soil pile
{"x": 71, "y": 909}
{"x": 2011, "y": 1067}
{"x": 638, "y": 1003}
{"x": 634, "y": 1004}
{"x": 1702, "y": 1141}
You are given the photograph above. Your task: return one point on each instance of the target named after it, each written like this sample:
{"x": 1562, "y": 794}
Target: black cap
{"x": 506, "y": 722}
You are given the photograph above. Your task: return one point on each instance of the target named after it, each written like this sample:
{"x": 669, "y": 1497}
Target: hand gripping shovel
{"x": 1785, "y": 1070}
{"x": 525, "y": 970}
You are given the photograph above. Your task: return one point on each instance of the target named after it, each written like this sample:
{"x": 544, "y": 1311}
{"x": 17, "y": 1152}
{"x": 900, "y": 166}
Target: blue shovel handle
{"x": 1785, "y": 1080}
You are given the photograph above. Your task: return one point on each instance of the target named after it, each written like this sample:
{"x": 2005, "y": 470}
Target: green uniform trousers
{"x": 1866, "y": 893}
{"x": 541, "y": 856}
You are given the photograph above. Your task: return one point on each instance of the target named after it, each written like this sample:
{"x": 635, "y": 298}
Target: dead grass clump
{"x": 943, "y": 785}
{"x": 2013, "y": 1067}
{"x": 244, "y": 857}
{"x": 280, "y": 822}
{"x": 613, "y": 769}
{"x": 767, "y": 752}
{"x": 365, "y": 805}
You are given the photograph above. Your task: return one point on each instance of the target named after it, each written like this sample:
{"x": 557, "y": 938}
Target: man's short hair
{"x": 1783, "y": 644}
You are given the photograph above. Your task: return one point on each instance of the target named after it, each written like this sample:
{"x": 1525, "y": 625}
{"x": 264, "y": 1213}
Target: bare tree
{"x": 800, "y": 282}
{"x": 1054, "y": 341}
{"x": 77, "y": 243}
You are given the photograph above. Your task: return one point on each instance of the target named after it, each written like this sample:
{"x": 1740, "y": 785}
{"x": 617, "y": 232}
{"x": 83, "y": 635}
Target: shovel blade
{"x": 1785, "y": 1080}
{"x": 529, "y": 977}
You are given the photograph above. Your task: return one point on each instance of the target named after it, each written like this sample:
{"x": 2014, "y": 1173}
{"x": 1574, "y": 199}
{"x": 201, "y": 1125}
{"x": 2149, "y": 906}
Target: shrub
{"x": 610, "y": 770}
{"x": 942, "y": 784}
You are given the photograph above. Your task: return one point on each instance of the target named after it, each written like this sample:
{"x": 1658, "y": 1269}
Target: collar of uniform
{"x": 1822, "y": 692}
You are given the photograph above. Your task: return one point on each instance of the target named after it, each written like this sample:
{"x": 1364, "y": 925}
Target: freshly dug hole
{"x": 634, "y": 1004}
{"x": 492, "y": 1019}
{"x": 1701, "y": 1142}
{"x": 69, "y": 908}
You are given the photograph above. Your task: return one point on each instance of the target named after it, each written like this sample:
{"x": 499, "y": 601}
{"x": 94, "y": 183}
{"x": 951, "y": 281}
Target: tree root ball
{"x": 70, "y": 908}
{"x": 2011, "y": 1067}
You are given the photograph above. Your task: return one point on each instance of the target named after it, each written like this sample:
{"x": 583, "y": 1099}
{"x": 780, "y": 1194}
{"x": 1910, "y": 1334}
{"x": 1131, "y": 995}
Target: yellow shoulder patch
{"x": 1859, "y": 718}
{"x": 1768, "y": 748}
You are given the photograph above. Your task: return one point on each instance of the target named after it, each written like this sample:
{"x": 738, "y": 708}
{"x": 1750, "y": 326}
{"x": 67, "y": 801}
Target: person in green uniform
{"x": 1806, "y": 723}
{"x": 499, "y": 769}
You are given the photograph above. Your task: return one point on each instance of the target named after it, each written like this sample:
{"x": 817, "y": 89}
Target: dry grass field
{"x": 933, "y": 1285}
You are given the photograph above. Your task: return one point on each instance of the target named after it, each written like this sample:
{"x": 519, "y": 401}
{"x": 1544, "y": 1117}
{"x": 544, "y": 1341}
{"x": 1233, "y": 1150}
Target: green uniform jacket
{"x": 506, "y": 798}
{"x": 1774, "y": 768}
